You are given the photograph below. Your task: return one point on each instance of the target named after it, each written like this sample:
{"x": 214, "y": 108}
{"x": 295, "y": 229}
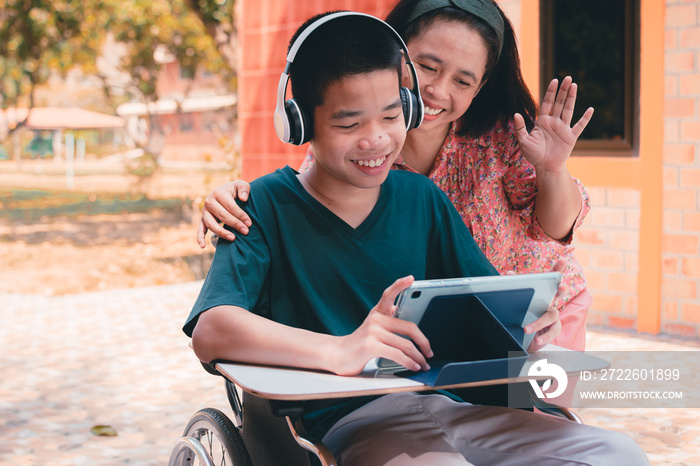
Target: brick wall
{"x": 607, "y": 245}
{"x": 680, "y": 306}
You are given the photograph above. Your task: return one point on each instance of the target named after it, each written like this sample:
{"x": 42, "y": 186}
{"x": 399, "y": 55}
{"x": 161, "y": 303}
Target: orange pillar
{"x": 529, "y": 44}
{"x": 651, "y": 136}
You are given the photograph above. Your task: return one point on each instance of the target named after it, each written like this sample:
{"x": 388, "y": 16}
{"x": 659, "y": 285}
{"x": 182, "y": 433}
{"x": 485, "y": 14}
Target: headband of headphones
{"x": 288, "y": 118}
{"x": 486, "y": 10}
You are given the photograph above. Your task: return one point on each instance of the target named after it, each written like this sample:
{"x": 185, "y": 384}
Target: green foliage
{"x": 40, "y": 36}
{"x": 103, "y": 431}
{"x": 145, "y": 25}
{"x": 37, "y": 36}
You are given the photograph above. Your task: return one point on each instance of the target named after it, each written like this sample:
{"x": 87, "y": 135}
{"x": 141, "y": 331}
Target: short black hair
{"x": 343, "y": 47}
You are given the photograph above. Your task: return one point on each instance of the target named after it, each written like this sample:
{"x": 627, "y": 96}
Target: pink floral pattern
{"x": 494, "y": 189}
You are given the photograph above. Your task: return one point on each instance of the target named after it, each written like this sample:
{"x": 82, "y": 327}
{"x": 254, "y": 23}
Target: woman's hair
{"x": 504, "y": 93}
{"x": 342, "y": 47}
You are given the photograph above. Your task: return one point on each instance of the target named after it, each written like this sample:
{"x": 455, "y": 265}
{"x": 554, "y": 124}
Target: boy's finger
{"x": 399, "y": 357}
{"x": 559, "y": 265}
{"x": 386, "y": 303}
{"x": 546, "y": 335}
{"x": 409, "y": 350}
{"x": 411, "y": 330}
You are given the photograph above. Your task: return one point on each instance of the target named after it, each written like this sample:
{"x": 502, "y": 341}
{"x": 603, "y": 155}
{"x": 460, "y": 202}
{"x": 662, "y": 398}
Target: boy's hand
{"x": 548, "y": 326}
{"x": 220, "y": 206}
{"x": 379, "y": 337}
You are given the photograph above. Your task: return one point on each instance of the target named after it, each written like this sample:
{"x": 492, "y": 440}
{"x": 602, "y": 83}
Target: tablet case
{"x": 509, "y": 307}
{"x": 500, "y": 294}
{"x": 469, "y": 343}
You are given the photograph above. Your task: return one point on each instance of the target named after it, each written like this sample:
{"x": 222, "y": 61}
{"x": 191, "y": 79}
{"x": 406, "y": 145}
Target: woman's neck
{"x": 422, "y": 148}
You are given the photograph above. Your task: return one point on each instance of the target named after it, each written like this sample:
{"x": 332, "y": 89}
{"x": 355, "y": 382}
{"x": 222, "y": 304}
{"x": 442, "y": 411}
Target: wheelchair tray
{"x": 471, "y": 348}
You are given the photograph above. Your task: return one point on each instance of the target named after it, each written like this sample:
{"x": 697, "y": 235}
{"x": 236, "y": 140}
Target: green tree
{"x": 145, "y": 25}
{"x": 40, "y": 36}
{"x": 196, "y": 33}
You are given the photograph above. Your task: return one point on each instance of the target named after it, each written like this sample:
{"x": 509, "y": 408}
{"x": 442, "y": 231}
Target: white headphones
{"x": 291, "y": 125}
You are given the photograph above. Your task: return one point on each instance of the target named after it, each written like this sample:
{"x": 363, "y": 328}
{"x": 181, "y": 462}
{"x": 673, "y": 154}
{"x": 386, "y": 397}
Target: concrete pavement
{"x": 119, "y": 358}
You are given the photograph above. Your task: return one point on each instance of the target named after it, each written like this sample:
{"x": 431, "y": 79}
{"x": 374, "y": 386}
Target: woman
{"x": 510, "y": 186}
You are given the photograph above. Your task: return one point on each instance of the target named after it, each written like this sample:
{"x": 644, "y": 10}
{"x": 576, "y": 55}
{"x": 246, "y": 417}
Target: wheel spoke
{"x": 217, "y": 434}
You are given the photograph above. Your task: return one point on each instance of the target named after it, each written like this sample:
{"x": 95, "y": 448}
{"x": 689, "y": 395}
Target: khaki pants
{"x": 410, "y": 429}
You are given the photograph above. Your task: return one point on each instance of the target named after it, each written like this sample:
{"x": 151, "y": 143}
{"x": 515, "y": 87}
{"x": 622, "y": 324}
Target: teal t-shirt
{"x": 303, "y": 266}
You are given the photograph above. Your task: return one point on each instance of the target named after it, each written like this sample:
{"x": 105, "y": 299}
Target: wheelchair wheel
{"x": 219, "y": 438}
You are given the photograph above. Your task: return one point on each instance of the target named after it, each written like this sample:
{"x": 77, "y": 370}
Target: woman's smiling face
{"x": 450, "y": 60}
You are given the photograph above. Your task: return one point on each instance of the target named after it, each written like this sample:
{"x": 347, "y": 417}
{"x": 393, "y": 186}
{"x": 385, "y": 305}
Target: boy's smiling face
{"x": 358, "y": 130}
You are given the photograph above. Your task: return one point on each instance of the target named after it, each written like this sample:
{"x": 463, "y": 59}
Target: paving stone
{"x": 119, "y": 358}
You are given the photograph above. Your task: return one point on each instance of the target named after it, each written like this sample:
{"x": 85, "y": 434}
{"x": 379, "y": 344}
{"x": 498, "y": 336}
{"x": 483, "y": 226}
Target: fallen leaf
{"x": 104, "y": 431}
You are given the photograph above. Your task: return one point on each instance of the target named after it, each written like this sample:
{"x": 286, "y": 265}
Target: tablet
{"x": 515, "y": 300}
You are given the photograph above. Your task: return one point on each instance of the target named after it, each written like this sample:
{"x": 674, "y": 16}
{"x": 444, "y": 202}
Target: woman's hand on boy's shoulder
{"x": 220, "y": 207}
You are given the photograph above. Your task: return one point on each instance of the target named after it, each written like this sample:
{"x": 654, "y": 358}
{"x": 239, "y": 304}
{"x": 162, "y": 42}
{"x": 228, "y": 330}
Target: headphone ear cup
{"x": 299, "y": 129}
{"x": 412, "y": 108}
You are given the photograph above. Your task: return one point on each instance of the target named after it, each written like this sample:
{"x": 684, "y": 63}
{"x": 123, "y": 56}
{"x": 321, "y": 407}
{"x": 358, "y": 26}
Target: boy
{"x": 301, "y": 288}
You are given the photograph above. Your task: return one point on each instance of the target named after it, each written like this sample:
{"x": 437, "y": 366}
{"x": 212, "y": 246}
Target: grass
{"x": 31, "y": 204}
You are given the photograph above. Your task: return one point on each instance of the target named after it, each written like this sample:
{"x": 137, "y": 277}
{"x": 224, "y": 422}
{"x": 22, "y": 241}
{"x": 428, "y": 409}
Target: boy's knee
{"x": 618, "y": 448}
{"x": 629, "y": 449}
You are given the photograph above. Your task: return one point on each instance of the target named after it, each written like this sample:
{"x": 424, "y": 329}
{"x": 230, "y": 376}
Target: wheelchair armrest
{"x": 211, "y": 367}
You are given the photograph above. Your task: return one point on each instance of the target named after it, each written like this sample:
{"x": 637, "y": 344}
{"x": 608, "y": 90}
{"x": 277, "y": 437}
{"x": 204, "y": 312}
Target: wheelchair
{"x": 270, "y": 432}
{"x": 262, "y": 432}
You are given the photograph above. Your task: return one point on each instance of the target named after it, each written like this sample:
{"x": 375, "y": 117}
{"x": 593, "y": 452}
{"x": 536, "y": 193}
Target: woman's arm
{"x": 220, "y": 207}
{"x": 547, "y": 147}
